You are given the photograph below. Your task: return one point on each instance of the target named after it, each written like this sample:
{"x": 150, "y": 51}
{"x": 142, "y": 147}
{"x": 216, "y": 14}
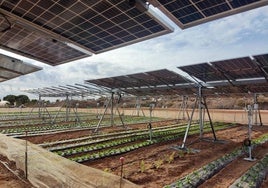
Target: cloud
{"x": 234, "y": 36}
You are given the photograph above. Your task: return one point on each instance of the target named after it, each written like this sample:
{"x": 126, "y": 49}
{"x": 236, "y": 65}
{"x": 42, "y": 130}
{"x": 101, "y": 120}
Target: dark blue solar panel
{"x": 140, "y": 34}
{"x": 216, "y": 10}
{"x": 203, "y": 72}
{"x": 240, "y": 68}
{"x": 263, "y": 61}
{"x": 239, "y": 3}
{"x": 185, "y": 11}
{"x": 129, "y": 37}
{"x": 178, "y": 4}
{"x": 204, "y": 4}
{"x": 113, "y": 20}
{"x": 191, "y": 18}
{"x": 188, "y": 13}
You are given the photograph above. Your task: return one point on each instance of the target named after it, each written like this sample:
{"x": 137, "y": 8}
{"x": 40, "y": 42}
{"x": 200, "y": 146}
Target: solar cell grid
{"x": 128, "y": 82}
{"x": 146, "y": 79}
{"x": 99, "y": 16}
{"x": 258, "y": 88}
{"x": 203, "y": 72}
{"x": 89, "y": 22}
{"x": 240, "y": 68}
{"x": 263, "y": 61}
{"x": 34, "y": 45}
{"x": 188, "y": 13}
{"x": 169, "y": 77}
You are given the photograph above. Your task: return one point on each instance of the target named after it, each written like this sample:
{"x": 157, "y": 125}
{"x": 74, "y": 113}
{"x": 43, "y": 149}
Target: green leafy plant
{"x": 171, "y": 157}
{"x": 142, "y": 166}
{"x": 158, "y": 163}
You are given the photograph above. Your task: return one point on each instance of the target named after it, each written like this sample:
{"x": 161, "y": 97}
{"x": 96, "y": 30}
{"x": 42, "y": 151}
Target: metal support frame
{"x": 67, "y": 105}
{"x": 250, "y": 120}
{"x": 257, "y": 113}
{"x": 183, "y": 108}
{"x": 111, "y": 103}
{"x": 189, "y": 125}
{"x": 202, "y": 107}
{"x": 138, "y": 107}
{"x": 151, "y": 107}
{"x": 42, "y": 110}
{"x": 98, "y": 113}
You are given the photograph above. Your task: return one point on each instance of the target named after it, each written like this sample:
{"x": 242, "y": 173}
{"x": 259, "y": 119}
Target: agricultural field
{"x": 149, "y": 160}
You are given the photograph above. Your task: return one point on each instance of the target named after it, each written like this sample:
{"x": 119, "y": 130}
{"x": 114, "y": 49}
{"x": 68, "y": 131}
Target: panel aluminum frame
{"x": 11, "y": 68}
{"x": 189, "y": 13}
{"x": 89, "y": 26}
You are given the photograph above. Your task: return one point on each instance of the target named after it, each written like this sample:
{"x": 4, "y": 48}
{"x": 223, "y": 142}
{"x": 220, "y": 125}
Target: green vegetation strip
{"x": 199, "y": 176}
{"x": 64, "y": 144}
{"x": 35, "y": 129}
{"x": 254, "y": 176}
{"x": 163, "y": 136}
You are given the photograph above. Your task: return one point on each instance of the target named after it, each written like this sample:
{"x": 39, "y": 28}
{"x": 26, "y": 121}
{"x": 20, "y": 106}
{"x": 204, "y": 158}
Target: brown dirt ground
{"x": 160, "y": 170}
{"x": 9, "y": 179}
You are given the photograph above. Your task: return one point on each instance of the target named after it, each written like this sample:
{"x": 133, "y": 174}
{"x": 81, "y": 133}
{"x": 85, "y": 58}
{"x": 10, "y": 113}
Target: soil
{"x": 235, "y": 169}
{"x": 160, "y": 164}
{"x": 10, "y": 176}
{"x": 159, "y": 169}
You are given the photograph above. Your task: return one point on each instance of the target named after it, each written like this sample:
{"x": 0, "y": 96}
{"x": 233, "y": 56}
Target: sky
{"x": 239, "y": 35}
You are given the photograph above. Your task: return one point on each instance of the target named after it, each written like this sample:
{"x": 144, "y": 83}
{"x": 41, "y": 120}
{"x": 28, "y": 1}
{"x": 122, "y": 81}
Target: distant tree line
{"x": 17, "y": 100}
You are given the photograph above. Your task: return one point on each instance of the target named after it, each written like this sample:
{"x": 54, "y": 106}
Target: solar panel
{"x": 159, "y": 82}
{"x": 105, "y": 82}
{"x": 188, "y": 13}
{"x": 64, "y": 91}
{"x": 12, "y": 68}
{"x": 258, "y": 88}
{"x": 169, "y": 77}
{"x": 225, "y": 90}
{"x": 96, "y": 26}
{"x": 203, "y": 72}
{"x": 239, "y": 68}
{"x": 32, "y": 44}
{"x": 263, "y": 61}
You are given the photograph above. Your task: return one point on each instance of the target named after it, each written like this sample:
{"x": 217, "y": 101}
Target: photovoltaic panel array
{"x": 30, "y": 43}
{"x": 240, "y": 68}
{"x": 188, "y": 13}
{"x": 230, "y": 70}
{"x": 68, "y": 90}
{"x": 258, "y": 88}
{"x": 262, "y": 60}
{"x": 239, "y": 75}
{"x": 147, "y": 83}
{"x": 12, "y": 68}
{"x": 203, "y": 72}
{"x": 94, "y": 26}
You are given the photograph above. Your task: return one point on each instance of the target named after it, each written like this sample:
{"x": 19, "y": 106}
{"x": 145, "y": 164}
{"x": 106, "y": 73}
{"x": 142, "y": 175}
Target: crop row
{"x": 108, "y": 151}
{"x": 254, "y": 176}
{"x": 64, "y": 144}
{"x": 26, "y": 115}
{"x": 33, "y": 129}
{"x": 70, "y": 143}
{"x": 199, "y": 176}
{"x": 108, "y": 143}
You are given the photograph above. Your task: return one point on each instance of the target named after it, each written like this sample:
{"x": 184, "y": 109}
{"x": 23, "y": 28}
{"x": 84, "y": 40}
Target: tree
{"x": 19, "y": 100}
{"x": 22, "y": 99}
{"x": 10, "y": 98}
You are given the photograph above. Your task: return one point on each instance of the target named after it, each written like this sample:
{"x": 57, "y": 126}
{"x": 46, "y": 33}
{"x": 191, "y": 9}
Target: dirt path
{"x": 235, "y": 169}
